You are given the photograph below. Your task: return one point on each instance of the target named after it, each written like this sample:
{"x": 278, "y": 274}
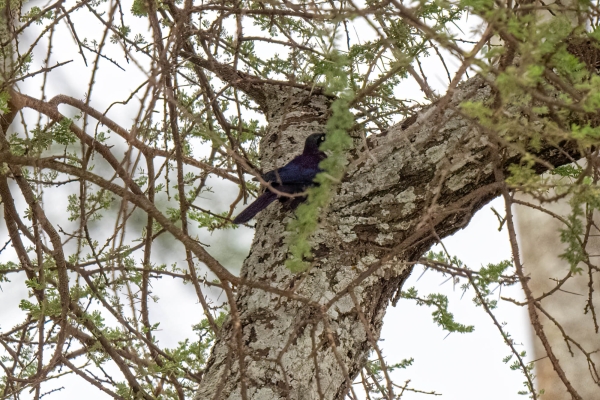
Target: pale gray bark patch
{"x": 541, "y": 247}
{"x": 395, "y": 193}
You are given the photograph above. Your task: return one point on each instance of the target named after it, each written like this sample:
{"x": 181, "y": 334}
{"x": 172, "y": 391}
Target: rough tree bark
{"x": 421, "y": 181}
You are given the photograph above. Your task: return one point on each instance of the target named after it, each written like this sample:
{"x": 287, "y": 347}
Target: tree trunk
{"x": 414, "y": 185}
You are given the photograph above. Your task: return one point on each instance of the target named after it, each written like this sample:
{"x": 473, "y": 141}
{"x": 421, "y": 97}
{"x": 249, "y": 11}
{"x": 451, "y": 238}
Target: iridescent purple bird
{"x": 295, "y": 177}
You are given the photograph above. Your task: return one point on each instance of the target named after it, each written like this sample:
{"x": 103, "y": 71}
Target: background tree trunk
{"x": 573, "y": 324}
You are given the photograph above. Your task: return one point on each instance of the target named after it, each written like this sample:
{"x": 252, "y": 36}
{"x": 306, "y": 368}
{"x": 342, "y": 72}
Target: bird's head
{"x": 311, "y": 146}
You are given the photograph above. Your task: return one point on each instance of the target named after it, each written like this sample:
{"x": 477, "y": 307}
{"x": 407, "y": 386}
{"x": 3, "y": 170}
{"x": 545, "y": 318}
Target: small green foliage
{"x": 488, "y": 279}
{"x": 5, "y": 269}
{"x": 20, "y": 146}
{"x": 493, "y": 272}
{"x": 478, "y": 6}
{"x": 51, "y": 307}
{"x": 141, "y": 180}
{"x": 443, "y": 258}
{"x": 43, "y": 138}
{"x": 523, "y": 174}
{"x": 516, "y": 366}
{"x": 122, "y": 31}
{"x": 94, "y": 203}
{"x": 174, "y": 214}
{"x": 35, "y": 13}
{"x": 375, "y": 367}
{"x": 375, "y": 371}
{"x": 586, "y": 134}
{"x": 61, "y": 132}
{"x": 336, "y": 145}
{"x": 567, "y": 171}
{"x": 209, "y": 220}
{"x": 571, "y": 235}
{"x": 477, "y": 110}
{"x": 139, "y": 8}
{"x": 4, "y": 98}
{"x": 441, "y": 316}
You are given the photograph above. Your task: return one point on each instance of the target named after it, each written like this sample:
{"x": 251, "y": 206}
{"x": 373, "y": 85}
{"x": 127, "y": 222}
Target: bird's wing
{"x": 301, "y": 169}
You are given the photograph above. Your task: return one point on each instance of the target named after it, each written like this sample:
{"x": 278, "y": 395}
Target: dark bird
{"x": 295, "y": 177}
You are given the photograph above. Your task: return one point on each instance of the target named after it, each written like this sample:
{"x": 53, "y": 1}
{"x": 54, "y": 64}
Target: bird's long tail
{"x": 257, "y": 206}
